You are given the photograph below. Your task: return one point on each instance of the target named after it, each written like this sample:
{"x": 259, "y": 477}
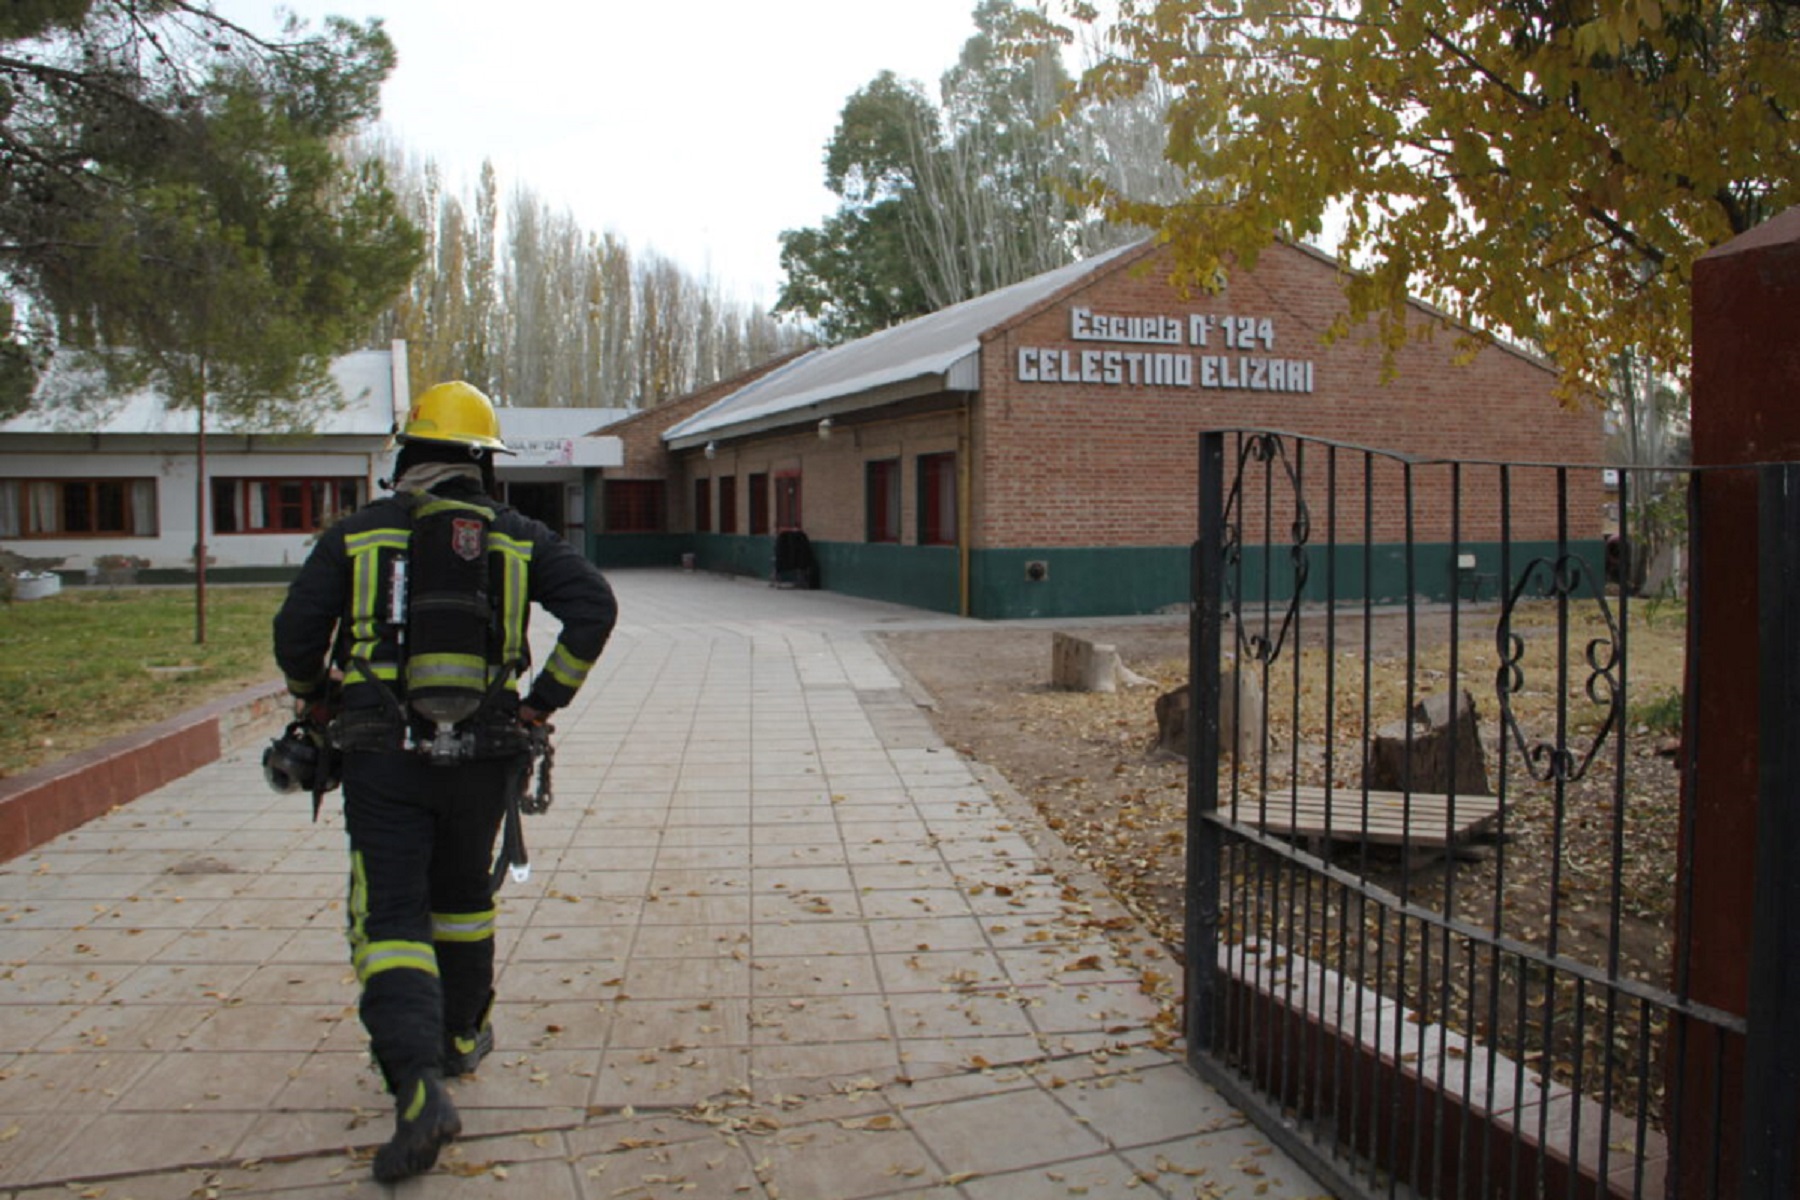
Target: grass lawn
{"x": 89, "y": 664}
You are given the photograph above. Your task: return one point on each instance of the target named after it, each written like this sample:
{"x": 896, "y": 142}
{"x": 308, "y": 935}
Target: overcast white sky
{"x": 695, "y": 128}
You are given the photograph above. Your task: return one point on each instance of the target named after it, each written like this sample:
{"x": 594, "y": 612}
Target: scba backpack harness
{"x": 452, "y": 604}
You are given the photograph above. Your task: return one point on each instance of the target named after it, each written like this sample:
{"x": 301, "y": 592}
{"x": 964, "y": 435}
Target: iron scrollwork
{"x": 1561, "y": 579}
{"x": 1265, "y": 449}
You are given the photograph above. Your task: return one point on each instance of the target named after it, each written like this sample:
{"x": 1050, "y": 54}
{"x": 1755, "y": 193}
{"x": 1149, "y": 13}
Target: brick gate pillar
{"x": 1746, "y": 409}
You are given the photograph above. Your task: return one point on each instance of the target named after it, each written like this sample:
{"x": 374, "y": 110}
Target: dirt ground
{"x": 1084, "y": 762}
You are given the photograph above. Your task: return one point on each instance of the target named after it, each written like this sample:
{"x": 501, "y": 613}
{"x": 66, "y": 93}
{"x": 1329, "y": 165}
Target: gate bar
{"x": 1772, "y": 1049}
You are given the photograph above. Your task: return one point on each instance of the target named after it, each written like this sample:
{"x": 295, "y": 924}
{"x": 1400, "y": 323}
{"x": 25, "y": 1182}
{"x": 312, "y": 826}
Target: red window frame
{"x": 882, "y": 494}
{"x": 937, "y": 500}
{"x": 80, "y": 508}
{"x": 634, "y": 506}
{"x": 254, "y": 504}
{"x": 759, "y": 504}
{"x": 787, "y": 500}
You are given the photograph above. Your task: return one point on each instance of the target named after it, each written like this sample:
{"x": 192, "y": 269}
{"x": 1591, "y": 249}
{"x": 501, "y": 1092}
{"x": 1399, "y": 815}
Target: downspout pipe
{"x": 965, "y": 497}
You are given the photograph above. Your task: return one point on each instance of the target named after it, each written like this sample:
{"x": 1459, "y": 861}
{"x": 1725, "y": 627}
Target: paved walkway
{"x": 778, "y": 943}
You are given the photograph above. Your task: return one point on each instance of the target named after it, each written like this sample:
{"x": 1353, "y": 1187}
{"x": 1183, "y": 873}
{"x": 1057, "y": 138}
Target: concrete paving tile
{"x": 36, "y": 1083}
{"x": 265, "y": 1027}
{"x": 963, "y": 1014}
{"x": 683, "y": 978}
{"x": 62, "y": 1028}
{"x": 911, "y": 935}
{"x": 1145, "y": 1107}
{"x": 646, "y": 1164}
{"x": 524, "y": 1077}
{"x": 810, "y": 937}
{"x": 696, "y": 910}
{"x": 995, "y": 1134}
{"x": 691, "y": 941}
{"x": 700, "y": 881}
{"x": 786, "y": 1068}
{"x": 824, "y": 975}
{"x": 940, "y": 971}
{"x": 826, "y": 1161}
{"x": 199, "y": 1081}
{"x": 335, "y": 1083}
{"x": 1230, "y": 1162}
{"x": 925, "y": 902}
{"x": 819, "y": 1020}
{"x": 573, "y": 1024}
{"x": 561, "y": 980}
{"x": 569, "y": 943}
{"x": 709, "y": 1021}
{"x": 157, "y": 1141}
{"x": 651, "y": 1079}
{"x": 1103, "y": 1175}
{"x": 902, "y": 876}
{"x": 803, "y": 908}
{"x": 295, "y": 983}
{"x": 59, "y": 983}
{"x": 317, "y": 947}
{"x": 967, "y": 1053}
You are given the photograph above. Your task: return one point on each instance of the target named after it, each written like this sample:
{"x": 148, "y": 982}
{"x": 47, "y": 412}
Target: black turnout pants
{"x": 421, "y": 919}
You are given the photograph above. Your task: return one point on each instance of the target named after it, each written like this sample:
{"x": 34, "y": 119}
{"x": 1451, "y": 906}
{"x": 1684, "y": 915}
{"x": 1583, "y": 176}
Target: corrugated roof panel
{"x": 932, "y": 345}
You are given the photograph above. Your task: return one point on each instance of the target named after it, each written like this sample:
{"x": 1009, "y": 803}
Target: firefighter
{"x": 438, "y": 564}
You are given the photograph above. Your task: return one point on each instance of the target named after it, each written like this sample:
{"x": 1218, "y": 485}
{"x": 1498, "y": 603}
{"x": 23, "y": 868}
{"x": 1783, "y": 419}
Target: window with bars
{"x": 634, "y": 506}
{"x": 937, "y": 500}
{"x": 282, "y": 505}
{"x": 50, "y": 508}
{"x": 882, "y": 491}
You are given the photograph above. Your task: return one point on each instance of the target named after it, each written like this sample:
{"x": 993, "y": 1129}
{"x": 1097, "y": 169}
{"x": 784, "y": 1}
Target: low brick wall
{"x": 57, "y": 797}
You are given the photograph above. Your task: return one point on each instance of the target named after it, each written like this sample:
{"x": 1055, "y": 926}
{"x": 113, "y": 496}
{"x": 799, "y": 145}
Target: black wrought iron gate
{"x": 1434, "y": 936}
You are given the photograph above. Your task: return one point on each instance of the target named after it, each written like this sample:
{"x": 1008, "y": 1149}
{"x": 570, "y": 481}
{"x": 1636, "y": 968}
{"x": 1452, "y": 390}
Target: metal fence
{"x": 1435, "y": 935}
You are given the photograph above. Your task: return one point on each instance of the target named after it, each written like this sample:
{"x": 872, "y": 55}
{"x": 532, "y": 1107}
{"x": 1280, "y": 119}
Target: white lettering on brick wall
{"x": 1246, "y": 363}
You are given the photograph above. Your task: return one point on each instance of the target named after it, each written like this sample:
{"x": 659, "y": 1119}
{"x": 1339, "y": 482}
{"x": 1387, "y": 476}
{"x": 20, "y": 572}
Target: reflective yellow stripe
{"x": 515, "y": 593}
{"x": 463, "y": 927}
{"x": 468, "y": 671}
{"x": 359, "y": 903}
{"x": 365, "y": 584}
{"x": 373, "y": 958}
{"x": 438, "y": 504}
{"x": 566, "y": 669}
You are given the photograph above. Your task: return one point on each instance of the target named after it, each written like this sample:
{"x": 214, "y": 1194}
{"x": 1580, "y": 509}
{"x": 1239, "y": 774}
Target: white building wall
{"x": 175, "y": 472}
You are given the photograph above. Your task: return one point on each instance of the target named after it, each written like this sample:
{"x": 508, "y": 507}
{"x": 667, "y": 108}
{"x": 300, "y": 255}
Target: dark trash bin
{"x": 795, "y": 565}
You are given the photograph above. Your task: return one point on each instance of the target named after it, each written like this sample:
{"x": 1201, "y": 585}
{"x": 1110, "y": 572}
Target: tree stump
{"x": 1240, "y": 717}
{"x": 1079, "y": 665}
{"x": 1436, "y": 725}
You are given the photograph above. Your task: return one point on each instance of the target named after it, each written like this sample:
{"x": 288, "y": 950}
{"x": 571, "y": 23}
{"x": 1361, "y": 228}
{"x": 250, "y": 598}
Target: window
{"x": 883, "y": 495}
{"x": 759, "y": 504}
{"x": 787, "y": 501}
{"x": 937, "y": 500}
{"x": 281, "y": 505}
{"x": 46, "y": 508}
{"x": 728, "y": 504}
{"x": 703, "y": 506}
{"x": 634, "y": 506}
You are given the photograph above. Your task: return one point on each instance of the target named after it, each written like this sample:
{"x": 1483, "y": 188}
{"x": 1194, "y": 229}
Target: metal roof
{"x": 939, "y": 351}
{"x": 365, "y": 377}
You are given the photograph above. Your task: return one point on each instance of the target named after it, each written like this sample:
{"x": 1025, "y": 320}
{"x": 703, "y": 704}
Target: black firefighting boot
{"x": 467, "y": 1042}
{"x": 464, "y": 1052}
{"x": 425, "y": 1121}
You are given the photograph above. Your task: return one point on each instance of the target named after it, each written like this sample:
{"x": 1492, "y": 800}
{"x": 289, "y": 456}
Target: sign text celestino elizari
{"x": 1235, "y": 354}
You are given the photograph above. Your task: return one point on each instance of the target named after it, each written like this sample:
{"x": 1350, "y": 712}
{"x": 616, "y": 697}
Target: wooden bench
{"x": 1420, "y": 821}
